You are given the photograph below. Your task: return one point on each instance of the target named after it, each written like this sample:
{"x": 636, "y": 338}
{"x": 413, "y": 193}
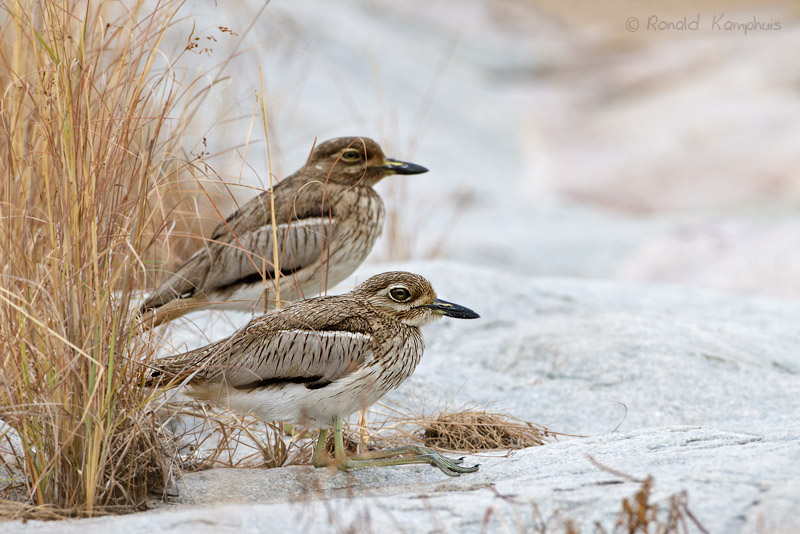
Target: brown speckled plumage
{"x": 327, "y": 217}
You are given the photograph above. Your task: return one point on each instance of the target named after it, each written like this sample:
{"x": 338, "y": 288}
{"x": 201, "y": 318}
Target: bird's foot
{"x": 417, "y": 455}
{"x": 409, "y": 454}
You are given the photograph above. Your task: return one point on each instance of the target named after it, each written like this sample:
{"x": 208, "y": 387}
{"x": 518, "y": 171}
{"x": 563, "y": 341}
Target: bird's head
{"x": 355, "y": 161}
{"x": 409, "y": 298}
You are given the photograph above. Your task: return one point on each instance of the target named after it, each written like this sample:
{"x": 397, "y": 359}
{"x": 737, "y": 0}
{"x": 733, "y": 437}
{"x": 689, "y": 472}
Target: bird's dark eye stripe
{"x": 400, "y": 294}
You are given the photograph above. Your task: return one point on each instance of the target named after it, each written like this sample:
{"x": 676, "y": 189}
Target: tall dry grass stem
{"x": 92, "y": 166}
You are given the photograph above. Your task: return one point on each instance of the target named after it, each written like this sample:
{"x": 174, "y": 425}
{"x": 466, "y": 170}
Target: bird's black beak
{"x": 393, "y": 166}
{"x": 442, "y": 307}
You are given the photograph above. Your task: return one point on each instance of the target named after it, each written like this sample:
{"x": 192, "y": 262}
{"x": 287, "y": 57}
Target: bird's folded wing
{"x": 315, "y": 358}
{"x": 300, "y": 242}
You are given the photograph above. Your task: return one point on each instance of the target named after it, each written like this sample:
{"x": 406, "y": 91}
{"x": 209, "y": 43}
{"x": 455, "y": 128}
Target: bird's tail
{"x": 172, "y": 371}
{"x": 154, "y": 376}
{"x": 178, "y": 295}
{"x": 182, "y": 283}
{"x": 160, "y": 375}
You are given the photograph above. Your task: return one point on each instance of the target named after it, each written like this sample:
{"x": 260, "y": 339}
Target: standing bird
{"x": 326, "y": 218}
{"x": 317, "y": 361}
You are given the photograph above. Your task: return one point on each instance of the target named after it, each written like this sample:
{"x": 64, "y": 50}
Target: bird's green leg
{"x": 338, "y": 442}
{"x": 320, "y": 454}
{"x": 420, "y": 455}
{"x": 320, "y": 449}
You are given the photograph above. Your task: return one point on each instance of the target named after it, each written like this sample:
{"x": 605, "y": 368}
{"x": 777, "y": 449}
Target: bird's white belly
{"x": 295, "y": 403}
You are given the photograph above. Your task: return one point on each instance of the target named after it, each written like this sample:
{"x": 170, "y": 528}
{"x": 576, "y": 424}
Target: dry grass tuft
{"x": 480, "y": 430}
{"x": 91, "y": 168}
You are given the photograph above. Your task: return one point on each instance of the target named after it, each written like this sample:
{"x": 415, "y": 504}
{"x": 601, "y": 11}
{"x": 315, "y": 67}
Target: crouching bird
{"x": 317, "y": 361}
{"x": 326, "y": 218}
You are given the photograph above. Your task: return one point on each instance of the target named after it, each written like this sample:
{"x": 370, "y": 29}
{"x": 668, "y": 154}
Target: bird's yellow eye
{"x": 400, "y": 294}
{"x": 351, "y": 156}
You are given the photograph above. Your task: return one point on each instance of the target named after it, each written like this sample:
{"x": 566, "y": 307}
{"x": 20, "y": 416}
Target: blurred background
{"x": 645, "y": 141}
